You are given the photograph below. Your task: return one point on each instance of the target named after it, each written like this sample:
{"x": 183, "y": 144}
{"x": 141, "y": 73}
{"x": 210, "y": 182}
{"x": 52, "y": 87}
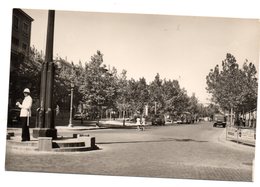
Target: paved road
{"x": 184, "y": 152}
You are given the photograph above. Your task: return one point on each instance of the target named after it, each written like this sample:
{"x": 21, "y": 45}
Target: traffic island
{"x": 80, "y": 143}
{"x": 44, "y": 132}
{"x": 47, "y": 144}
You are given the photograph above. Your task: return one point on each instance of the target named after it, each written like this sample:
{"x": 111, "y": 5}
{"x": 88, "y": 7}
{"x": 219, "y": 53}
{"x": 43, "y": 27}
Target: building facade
{"x": 21, "y": 37}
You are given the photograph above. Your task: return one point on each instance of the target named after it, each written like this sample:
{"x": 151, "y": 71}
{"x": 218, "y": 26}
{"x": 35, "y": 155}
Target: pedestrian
{"x": 138, "y": 123}
{"x": 244, "y": 122}
{"x": 57, "y": 110}
{"x": 241, "y": 124}
{"x": 143, "y": 123}
{"x": 25, "y": 114}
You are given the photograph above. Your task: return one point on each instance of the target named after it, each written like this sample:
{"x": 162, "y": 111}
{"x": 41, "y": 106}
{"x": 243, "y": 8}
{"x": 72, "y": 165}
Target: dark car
{"x": 13, "y": 117}
{"x": 158, "y": 120}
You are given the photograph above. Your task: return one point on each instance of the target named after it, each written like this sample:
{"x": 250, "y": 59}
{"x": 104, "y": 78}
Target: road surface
{"x": 172, "y": 151}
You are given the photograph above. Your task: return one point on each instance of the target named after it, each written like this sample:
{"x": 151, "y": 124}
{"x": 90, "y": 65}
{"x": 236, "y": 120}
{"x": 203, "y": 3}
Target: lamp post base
{"x": 45, "y": 132}
{"x": 70, "y": 125}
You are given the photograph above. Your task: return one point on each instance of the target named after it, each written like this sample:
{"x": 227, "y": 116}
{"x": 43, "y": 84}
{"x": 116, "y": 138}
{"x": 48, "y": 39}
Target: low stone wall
{"x": 241, "y": 134}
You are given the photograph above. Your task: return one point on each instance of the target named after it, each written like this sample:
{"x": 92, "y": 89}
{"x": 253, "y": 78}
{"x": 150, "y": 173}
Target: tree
{"x": 139, "y": 95}
{"x": 209, "y": 111}
{"x": 193, "y": 105}
{"x": 249, "y": 86}
{"x": 25, "y": 73}
{"x": 142, "y": 94}
{"x": 233, "y": 88}
{"x": 123, "y": 96}
{"x": 156, "y": 94}
{"x": 171, "y": 91}
{"x": 98, "y": 85}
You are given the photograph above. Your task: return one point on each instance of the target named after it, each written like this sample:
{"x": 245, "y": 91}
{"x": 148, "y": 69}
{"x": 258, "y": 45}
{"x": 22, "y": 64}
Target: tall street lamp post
{"x": 71, "y": 104}
{"x": 45, "y": 126}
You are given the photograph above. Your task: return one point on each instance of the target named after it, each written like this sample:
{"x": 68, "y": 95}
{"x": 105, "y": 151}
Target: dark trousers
{"x": 25, "y": 129}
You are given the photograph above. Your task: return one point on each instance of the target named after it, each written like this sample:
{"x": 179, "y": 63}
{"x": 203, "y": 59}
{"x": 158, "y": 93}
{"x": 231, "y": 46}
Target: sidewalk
{"x": 59, "y": 128}
{"x": 77, "y": 127}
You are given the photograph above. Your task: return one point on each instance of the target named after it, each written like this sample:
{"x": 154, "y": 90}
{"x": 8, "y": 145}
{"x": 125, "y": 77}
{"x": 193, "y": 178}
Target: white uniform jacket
{"x": 26, "y": 107}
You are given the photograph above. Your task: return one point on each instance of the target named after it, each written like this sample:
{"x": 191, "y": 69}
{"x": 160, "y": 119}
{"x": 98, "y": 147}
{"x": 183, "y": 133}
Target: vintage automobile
{"x": 185, "y": 118}
{"x": 158, "y": 120}
{"x": 219, "y": 120}
{"x": 13, "y": 117}
{"x": 80, "y": 116}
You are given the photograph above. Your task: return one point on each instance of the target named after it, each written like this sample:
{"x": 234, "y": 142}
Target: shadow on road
{"x": 161, "y": 140}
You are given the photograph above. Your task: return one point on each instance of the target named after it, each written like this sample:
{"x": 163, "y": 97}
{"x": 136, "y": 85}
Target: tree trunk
{"x": 231, "y": 117}
{"x": 123, "y": 117}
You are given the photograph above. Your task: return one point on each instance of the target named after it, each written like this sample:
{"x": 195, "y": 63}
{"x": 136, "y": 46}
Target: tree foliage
{"x": 232, "y": 87}
{"x": 98, "y": 86}
{"x": 101, "y": 88}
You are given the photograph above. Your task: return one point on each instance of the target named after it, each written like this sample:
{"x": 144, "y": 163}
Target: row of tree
{"x": 99, "y": 88}
{"x": 102, "y": 87}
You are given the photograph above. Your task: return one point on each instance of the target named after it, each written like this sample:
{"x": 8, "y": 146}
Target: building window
{"x": 15, "y": 41}
{"x": 24, "y": 46}
{"x": 15, "y": 22}
{"x": 25, "y": 28}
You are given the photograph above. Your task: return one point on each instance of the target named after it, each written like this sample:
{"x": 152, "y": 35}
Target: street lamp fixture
{"x": 71, "y": 104}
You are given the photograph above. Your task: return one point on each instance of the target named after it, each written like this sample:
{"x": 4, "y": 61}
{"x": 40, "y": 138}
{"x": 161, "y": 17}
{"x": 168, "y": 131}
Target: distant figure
{"x": 138, "y": 123}
{"x": 81, "y": 117}
{"x": 244, "y": 122}
{"x": 241, "y": 122}
{"x": 25, "y": 114}
{"x": 57, "y": 110}
{"x": 143, "y": 123}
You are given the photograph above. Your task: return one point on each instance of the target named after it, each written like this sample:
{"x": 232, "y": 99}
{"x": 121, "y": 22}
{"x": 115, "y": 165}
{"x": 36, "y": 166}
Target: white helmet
{"x": 26, "y": 90}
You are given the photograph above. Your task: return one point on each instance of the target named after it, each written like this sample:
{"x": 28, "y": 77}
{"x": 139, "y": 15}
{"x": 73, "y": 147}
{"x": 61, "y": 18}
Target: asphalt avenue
{"x": 196, "y": 151}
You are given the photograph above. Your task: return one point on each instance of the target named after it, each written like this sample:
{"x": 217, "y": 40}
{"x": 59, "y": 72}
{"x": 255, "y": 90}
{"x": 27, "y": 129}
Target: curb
{"x": 78, "y": 128}
{"x": 65, "y": 128}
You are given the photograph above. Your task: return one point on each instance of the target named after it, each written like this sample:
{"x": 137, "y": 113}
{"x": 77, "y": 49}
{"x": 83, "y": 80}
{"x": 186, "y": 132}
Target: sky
{"x": 183, "y": 48}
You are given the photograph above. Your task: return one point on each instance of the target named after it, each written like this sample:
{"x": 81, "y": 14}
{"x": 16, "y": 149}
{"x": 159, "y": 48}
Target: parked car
{"x": 158, "y": 120}
{"x": 13, "y": 117}
{"x": 168, "y": 121}
{"x": 219, "y": 120}
{"x": 79, "y": 116}
{"x": 131, "y": 120}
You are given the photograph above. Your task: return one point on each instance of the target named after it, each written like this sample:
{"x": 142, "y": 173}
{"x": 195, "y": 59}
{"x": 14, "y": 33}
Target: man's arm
{"x": 27, "y": 104}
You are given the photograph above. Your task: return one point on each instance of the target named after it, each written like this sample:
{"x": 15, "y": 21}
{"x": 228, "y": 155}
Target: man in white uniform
{"x": 25, "y": 114}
